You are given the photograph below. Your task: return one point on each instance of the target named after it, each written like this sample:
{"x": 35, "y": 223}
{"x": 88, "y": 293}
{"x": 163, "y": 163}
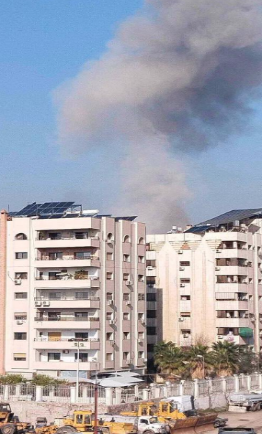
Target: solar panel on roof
{"x": 44, "y": 208}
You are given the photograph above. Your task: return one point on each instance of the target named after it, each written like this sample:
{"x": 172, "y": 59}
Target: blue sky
{"x": 43, "y": 44}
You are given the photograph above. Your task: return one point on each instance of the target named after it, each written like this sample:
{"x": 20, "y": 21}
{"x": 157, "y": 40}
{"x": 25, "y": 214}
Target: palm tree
{"x": 225, "y": 357}
{"x": 199, "y": 360}
{"x": 168, "y": 358}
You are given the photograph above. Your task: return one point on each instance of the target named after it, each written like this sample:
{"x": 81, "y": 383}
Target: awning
{"x": 245, "y": 332}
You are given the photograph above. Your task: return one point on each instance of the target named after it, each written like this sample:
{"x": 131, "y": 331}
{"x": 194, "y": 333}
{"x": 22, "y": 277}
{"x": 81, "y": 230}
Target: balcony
{"x": 232, "y": 322}
{"x": 64, "y": 344}
{"x": 232, "y": 287}
{"x": 233, "y": 253}
{"x": 231, "y": 270}
{"x": 232, "y": 305}
{"x": 67, "y": 242}
{"x": 66, "y": 282}
{"x": 238, "y": 340}
{"x": 151, "y": 271}
{"x": 66, "y": 302}
{"x": 67, "y": 262}
{"x": 67, "y": 322}
{"x": 65, "y": 366}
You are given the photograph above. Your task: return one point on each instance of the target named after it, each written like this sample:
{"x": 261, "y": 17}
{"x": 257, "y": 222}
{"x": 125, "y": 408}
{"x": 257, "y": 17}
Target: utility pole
{"x": 96, "y": 406}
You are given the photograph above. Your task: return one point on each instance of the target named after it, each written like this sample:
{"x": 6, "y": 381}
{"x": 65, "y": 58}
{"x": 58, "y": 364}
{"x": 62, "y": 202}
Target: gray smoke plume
{"x": 179, "y": 75}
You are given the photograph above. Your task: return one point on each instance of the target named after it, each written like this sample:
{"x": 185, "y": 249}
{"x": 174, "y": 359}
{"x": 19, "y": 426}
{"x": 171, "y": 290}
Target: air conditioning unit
{"x": 38, "y": 303}
{"x": 110, "y": 240}
{"x": 140, "y": 341}
{"x": 180, "y": 252}
{"x": 65, "y": 351}
{"x": 18, "y": 281}
{"x": 19, "y": 322}
{"x": 149, "y": 267}
{"x": 46, "y": 303}
{"x": 185, "y": 336}
{"x": 128, "y": 303}
{"x": 218, "y": 251}
{"x": 111, "y": 321}
{"x": 220, "y": 337}
{"x": 182, "y": 285}
{"x": 143, "y": 322}
{"x": 129, "y": 282}
{"x": 181, "y": 268}
{"x": 217, "y": 268}
{"x": 109, "y": 302}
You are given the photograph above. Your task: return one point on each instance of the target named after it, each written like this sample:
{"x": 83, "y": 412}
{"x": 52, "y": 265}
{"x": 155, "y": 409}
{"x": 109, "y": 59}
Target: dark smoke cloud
{"x": 179, "y": 75}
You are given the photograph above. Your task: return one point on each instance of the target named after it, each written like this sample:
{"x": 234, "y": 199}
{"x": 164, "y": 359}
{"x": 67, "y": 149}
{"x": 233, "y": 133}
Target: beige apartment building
{"x": 206, "y": 283}
{"x": 72, "y": 291}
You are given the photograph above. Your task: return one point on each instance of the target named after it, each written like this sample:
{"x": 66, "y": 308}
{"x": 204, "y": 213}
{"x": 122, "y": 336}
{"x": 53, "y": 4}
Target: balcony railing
{"x": 65, "y": 277}
{"x": 66, "y": 318}
{"x": 44, "y": 237}
{"x": 53, "y": 339}
{"x": 67, "y": 258}
{"x": 64, "y": 298}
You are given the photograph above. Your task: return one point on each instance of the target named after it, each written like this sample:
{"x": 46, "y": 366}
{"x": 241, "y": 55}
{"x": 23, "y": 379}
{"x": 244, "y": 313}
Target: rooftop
{"x": 230, "y": 219}
{"x": 50, "y": 210}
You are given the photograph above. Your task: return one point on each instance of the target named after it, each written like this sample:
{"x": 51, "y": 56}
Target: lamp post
{"x": 203, "y": 359}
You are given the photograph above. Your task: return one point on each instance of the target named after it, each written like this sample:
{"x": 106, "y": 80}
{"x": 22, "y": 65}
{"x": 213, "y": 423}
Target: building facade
{"x": 207, "y": 282}
{"x": 74, "y": 291}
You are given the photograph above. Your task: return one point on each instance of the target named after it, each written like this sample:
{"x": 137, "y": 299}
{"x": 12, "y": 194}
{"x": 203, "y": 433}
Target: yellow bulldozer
{"x": 10, "y": 424}
{"x": 167, "y": 411}
{"x": 83, "y": 421}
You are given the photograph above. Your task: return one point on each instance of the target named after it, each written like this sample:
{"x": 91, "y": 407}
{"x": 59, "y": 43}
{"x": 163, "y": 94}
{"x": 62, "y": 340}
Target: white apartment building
{"x": 207, "y": 282}
{"x": 74, "y": 284}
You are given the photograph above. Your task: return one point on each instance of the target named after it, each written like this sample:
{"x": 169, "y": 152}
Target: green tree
{"x": 200, "y": 360}
{"x": 45, "y": 380}
{"x": 12, "y": 379}
{"x": 248, "y": 360}
{"x": 225, "y": 356}
{"x": 168, "y": 358}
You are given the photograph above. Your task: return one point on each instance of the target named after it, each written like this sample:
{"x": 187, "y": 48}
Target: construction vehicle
{"x": 179, "y": 413}
{"x": 9, "y": 424}
{"x": 83, "y": 421}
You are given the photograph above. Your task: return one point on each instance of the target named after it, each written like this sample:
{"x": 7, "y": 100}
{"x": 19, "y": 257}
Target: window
{"x": 20, "y": 316}
{"x": 109, "y": 336}
{"x": 21, "y": 255}
{"x": 82, "y": 255}
{"x": 81, "y": 315}
{"x": 20, "y": 336}
{"x": 55, "y": 295}
{"x": 184, "y": 280}
{"x": 19, "y": 295}
{"x": 80, "y": 235}
{"x": 126, "y": 297}
{"x": 185, "y": 297}
{"x": 126, "y": 355}
{"x": 55, "y": 235}
{"x": 140, "y": 278}
{"x": 150, "y": 348}
{"x": 22, "y": 276}
{"x": 21, "y": 236}
{"x": 81, "y": 335}
{"x": 110, "y": 236}
{"x": 54, "y": 356}
{"x": 151, "y": 331}
{"x": 151, "y": 297}
{"x": 140, "y": 354}
{"x": 126, "y": 335}
{"x": 125, "y": 276}
{"x": 55, "y": 255}
{"x": 109, "y": 256}
{"x": 19, "y": 357}
{"x": 185, "y": 314}
{"x": 126, "y": 239}
{"x": 141, "y": 240}
{"x": 184, "y": 263}
{"x": 109, "y": 316}
{"x": 109, "y": 296}
{"x": 109, "y": 275}
{"x": 82, "y": 295}
{"x": 141, "y": 259}
{"x": 140, "y": 316}
{"x": 83, "y": 357}
{"x": 126, "y": 258}
{"x": 126, "y": 316}
{"x": 141, "y": 296}
{"x": 151, "y": 313}
{"x": 109, "y": 357}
